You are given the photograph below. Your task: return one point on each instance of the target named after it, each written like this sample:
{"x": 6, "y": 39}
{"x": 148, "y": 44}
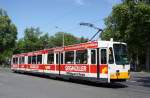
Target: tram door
{"x": 59, "y": 61}
{"x": 102, "y": 64}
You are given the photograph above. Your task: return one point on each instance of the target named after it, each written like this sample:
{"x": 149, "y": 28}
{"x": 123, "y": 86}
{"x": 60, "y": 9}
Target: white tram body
{"x": 102, "y": 61}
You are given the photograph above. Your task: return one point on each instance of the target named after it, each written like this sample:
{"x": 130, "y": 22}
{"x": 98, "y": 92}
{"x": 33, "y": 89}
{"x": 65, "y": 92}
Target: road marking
{"x": 133, "y": 81}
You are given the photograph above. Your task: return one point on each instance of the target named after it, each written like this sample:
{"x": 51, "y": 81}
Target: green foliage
{"x": 34, "y": 40}
{"x": 8, "y": 36}
{"x": 57, "y": 39}
{"x": 82, "y": 40}
{"x": 44, "y": 41}
{"x": 31, "y": 39}
{"x": 130, "y": 22}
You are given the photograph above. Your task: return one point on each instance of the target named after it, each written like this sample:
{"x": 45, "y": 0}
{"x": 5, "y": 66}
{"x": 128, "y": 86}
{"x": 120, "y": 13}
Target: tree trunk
{"x": 148, "y": 59}
{"x": 137, "y": 62}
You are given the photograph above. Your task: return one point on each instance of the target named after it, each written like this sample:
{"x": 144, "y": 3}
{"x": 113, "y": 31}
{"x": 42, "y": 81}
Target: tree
{"x": 82, "y": 40}
{"x": 31, "y": 39}
{"x": 34, "y": 39}
{"x": 44, "y": 41}
{"x": 8, "y": 36}
{"x": 57, "y": 39}
{"x": 20, "y": 46}
{"x": 130, "y": 22}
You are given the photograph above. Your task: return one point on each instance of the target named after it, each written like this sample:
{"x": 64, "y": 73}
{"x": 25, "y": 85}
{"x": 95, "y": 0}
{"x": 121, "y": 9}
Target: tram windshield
{"x": 120, "y": 52}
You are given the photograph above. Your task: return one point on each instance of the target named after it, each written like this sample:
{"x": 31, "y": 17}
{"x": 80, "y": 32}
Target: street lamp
{"x": 63, "y": 37}
{"x": 92, "y": 26}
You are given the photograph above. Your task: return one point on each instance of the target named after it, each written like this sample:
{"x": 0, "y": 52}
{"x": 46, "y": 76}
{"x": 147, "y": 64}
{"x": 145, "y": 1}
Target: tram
{"x": 100, "y": 61}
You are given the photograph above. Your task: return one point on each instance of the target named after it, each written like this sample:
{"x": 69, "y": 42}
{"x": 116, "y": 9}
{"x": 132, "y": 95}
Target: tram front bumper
{"x": 120, "y": 75}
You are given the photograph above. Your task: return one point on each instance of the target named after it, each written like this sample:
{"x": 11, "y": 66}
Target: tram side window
{"x": 81, "y": 57}
{"x": 111, "y": 57}
{"x": 50, "y": 59}
{"x": 93, "y": 56}
{"x": 21, "y": 60}
{"x": 33, "y": 59}
{"x": 15, "y": 60}
{"x": 69, "y": 57}
{"x": 39, "y": 59}
{"x": 57, "y": 58}
{"x": 29, "y": 59}
{"x": 103, "y": 56}
{"x": 62, "y": 58}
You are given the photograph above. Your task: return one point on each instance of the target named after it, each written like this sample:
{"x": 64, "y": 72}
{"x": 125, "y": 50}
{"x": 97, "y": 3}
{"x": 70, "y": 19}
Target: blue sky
{"x": 63, "y": 14}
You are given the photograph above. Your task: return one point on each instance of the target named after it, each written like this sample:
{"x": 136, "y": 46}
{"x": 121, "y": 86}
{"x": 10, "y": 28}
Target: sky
{"x": 52, "y": 16}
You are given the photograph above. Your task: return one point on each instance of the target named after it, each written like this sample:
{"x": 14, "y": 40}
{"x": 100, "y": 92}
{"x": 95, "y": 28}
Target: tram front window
{"x": 120, "y": 51}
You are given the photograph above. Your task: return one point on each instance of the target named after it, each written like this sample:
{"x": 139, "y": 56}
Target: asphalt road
{"x": 13, "y": 85}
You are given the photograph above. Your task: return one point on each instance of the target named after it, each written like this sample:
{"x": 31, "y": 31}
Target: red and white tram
{"x": 102, "y": 61}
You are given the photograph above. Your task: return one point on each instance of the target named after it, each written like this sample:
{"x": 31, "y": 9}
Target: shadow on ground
{"x": 144, "y": 81}
{"x": 83, "y": 82}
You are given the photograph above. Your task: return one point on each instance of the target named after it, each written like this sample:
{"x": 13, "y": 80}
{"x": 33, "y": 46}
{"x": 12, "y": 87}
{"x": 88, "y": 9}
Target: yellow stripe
{"x": 121, "y": 75}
